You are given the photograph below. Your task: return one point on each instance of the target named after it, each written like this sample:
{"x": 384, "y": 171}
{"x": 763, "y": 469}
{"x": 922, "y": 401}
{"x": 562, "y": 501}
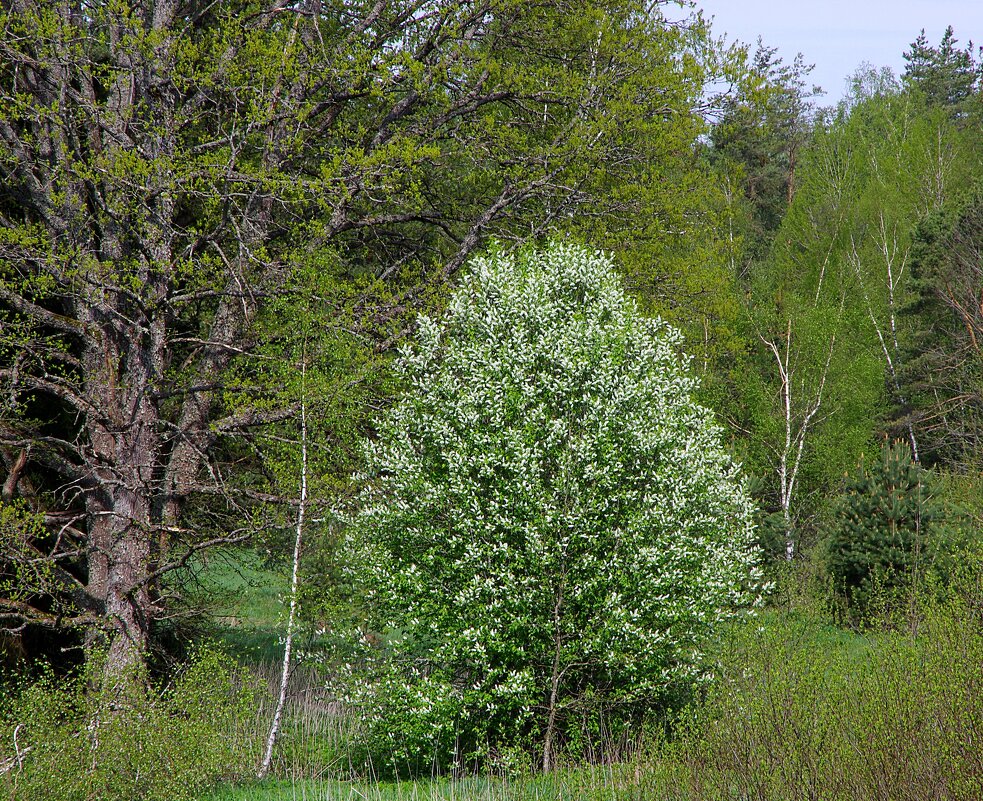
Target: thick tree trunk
{"x": 121, "y": 537}
{"x": 124, "y": 363}
{"x": 127, "y": 598}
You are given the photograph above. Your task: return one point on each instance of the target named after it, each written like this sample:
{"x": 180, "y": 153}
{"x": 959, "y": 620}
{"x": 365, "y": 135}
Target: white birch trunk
{"x": 797, "y": 425}
{"x": 264, "y": 767}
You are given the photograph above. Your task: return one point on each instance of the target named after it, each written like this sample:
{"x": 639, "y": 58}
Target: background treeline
{"x": 214, "y": 215}
{"x": 865, "y": 303}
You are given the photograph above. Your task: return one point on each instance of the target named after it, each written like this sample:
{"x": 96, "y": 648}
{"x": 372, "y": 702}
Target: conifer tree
{"x": 885, "y": 517}
{"x": 947, "y": 75}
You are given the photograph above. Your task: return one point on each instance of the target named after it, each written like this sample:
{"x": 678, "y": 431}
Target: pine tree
{"x": 947, "y": 75}
{"x": 884, "y": 517}
{"x": 944, "y": 373}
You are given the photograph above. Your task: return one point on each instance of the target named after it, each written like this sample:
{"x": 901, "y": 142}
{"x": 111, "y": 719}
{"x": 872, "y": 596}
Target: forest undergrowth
{"x": 801, "y": 708}
{"x": 802, "y": 705}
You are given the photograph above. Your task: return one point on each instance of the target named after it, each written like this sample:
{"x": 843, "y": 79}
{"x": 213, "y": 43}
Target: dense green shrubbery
{"x": 67, "y": 739}
{"x": 804, "y": 710}
{"x": 800, "y": 709}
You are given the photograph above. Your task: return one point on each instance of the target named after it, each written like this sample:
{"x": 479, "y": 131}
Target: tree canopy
{"x": 220, "y": 221}
{"x": 947, "y": 75}
{"x": 194, "y": 190}
{"x": 551, "y": 528}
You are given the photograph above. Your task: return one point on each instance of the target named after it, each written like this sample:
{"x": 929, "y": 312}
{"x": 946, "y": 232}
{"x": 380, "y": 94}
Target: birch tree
{"x": 799, "y": 403}
{"x": 841, "y": 272}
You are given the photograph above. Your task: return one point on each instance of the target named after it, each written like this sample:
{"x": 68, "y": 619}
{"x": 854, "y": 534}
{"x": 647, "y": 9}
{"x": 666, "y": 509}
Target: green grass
{"x": 249, "y": 592}
{"x": 803, "y": 710}
{"x": 852, "y": 645}
{"x": 602, "y": 783}
{"x": 247, "y": 604}
{"x": 325, "y": 790}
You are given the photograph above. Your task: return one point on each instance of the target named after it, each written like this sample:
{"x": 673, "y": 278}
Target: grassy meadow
{"x": 802, "y": 707}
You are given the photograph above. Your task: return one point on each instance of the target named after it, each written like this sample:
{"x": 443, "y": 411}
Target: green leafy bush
{"x": 70, "y": 739}
{"x": 803, "y": 710}
{"x": 551, "y": 528}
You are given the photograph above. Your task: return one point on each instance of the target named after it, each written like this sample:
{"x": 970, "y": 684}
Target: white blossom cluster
{"x": 550, "y": 527}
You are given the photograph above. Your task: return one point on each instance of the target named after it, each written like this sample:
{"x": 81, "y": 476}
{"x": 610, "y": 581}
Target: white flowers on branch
{"x": 550, "y": 528}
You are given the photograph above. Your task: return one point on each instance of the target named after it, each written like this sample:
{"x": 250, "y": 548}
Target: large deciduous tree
{"x": 181, "y": 176}
{"x": 550, "y": 527}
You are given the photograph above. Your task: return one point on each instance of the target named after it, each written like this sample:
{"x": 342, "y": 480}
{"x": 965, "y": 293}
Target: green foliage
{"x": 803, "y": 710}
{"x": 947, "y": 75}
{"x": 800, "y": 710}
{"x": 674, "y": 247}
{"x": 550, "y": 529}
{"x": 761, "y": 133}
{"x": 201, "y": 198}
{"x": 886, "y": 523}
{"x": 944, "y": 370}
{"x": 78, "y": 739}
{"x": 23, "y": 576}
{"x": 833, "y": 289}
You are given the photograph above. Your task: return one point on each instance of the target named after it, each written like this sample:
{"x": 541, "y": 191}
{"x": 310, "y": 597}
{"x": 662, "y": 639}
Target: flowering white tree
{"x": 551, "y": 528}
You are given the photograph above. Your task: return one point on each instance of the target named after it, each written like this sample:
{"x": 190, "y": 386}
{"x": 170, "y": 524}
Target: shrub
{"x": 551, "y": 528}
{"x": 68, "y": 739}
{"x": 885, "y": 525}
{"x": 803, "y": 710}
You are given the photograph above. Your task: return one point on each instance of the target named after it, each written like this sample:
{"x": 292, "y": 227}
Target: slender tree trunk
{"x": 797, "y": 422}
{"x": 264, "y": 767}
{"x": 549, "y": 740}
{"x": 888, "y": 339}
